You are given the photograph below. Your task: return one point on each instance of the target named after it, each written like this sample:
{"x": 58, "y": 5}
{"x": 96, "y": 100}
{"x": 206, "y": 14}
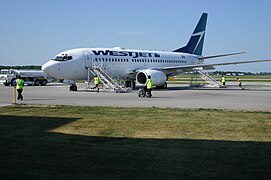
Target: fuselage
{"x": 73, "y": 64}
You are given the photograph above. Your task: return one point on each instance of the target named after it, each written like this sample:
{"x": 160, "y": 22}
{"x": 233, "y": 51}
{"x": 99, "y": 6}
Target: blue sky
{"x": 33, "y": 31}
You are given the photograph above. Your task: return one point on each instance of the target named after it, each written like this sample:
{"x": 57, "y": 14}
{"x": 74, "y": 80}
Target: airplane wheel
{"x": 165, "y": 86}
{"x": 133, "y": 84}
{"x": 73, "y": 87}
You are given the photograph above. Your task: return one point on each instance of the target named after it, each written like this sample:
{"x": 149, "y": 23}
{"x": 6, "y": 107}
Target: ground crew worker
{"x": 240, "y": 84}
{"x": 148, "y": 84}
{"x": 19, "y": 87}
{"x": 223, "y": 80}
{"x": 96, "y": 82}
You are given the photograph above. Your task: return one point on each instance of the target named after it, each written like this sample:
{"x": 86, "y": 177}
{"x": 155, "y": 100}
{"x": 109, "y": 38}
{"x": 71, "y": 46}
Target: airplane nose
{"x": 46, "y": 67}
{"x": 50, "y": 68}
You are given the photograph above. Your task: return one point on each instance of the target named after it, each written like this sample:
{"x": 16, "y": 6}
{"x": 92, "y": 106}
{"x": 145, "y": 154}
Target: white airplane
{"x": 135, "y": 65}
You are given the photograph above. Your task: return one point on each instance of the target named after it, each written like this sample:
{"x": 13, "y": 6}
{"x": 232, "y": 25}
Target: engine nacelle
{"x": 158, "y": 77}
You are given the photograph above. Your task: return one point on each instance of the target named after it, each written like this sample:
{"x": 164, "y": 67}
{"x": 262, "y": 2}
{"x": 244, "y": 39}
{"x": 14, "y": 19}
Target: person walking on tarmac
{"x": 223, "y": 80}
{"x": 148, "y": 86}
{"x": 240, "y": 84}
{"x": 96, "y": 82}
{"x": 19, "y": 87}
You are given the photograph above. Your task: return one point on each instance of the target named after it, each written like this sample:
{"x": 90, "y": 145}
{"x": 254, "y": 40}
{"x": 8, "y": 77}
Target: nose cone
{"x": 51, "y": 68}
{"x": 47, "y": 67}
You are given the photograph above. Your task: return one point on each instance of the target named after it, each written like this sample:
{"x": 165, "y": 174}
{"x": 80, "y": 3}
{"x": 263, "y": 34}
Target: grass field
{"x": 67, "y": 142}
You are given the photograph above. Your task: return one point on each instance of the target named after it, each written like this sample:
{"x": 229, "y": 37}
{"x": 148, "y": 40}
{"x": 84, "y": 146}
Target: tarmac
{"x": 256, "y": 97}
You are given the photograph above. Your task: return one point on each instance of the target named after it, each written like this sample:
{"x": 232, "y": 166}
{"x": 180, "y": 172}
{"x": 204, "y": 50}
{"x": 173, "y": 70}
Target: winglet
{"x": 195, "y": 43}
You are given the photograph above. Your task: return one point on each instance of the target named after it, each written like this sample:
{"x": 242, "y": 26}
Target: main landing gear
{"x": 130, "y": 84}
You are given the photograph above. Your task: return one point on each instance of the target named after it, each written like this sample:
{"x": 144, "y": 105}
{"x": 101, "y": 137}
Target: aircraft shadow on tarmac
{"x": 29, "y": 150}
{"x": 180, "y": 88}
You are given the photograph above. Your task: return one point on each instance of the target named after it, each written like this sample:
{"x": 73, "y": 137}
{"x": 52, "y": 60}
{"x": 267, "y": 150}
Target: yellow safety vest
{"x": 96, "y": 80}
{"x": 20, "y": 84}
{"x": 149, "y": 84}
{"x": 223, "y": 79}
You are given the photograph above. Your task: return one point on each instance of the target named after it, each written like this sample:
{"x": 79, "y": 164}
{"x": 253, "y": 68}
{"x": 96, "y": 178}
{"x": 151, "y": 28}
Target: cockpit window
{"x": 63, "y": 57}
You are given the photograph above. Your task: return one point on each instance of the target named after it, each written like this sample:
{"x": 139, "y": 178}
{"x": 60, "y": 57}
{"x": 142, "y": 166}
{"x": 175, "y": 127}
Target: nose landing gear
{"x": 73, "y": 87}
{"x": 72, "y": 84}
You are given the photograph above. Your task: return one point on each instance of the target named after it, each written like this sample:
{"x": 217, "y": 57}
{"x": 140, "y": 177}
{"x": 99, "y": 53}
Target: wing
{"x": 189, "y": 68}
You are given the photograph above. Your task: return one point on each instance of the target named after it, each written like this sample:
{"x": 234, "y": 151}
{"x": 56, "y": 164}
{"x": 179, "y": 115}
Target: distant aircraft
{"x": 134, "y": 65}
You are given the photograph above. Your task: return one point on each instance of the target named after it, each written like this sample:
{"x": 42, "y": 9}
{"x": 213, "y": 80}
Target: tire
{"x": 133, "y": 85}
{"x": 43, "y": 82}
{"x": 13, "y": 82}
{"x": 128, "y": 84}
{"x": 165, "y": 86}
{"x": 73, "y": 88}
{"x": 36, "y": 83}
{"x": 141, "y": 93}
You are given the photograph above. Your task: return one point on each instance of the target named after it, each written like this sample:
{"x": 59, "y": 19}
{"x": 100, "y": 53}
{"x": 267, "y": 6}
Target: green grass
{"x": 140, "y": 143}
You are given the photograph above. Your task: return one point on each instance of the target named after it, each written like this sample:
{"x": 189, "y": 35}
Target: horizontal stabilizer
{"x": 220, "y": 55}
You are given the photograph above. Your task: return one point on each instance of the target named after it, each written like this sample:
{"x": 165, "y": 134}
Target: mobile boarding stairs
{"x": 109, "y": 82}
{"x": 206, "y": 77}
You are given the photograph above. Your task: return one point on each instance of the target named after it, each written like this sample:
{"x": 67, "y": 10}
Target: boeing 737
{"x": 136, "y": 65}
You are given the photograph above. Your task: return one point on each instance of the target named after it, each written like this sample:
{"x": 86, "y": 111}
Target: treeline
{"x": 238, "y": 72}
{"x": 234, "y": 73}
{"x": 21, "y": 67}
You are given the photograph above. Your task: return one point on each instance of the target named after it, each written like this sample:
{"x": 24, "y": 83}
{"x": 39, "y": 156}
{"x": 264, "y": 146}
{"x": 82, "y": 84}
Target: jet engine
{"x": 158, "y": 77}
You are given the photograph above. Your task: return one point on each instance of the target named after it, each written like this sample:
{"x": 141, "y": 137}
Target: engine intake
{"x": 158, "y": 77}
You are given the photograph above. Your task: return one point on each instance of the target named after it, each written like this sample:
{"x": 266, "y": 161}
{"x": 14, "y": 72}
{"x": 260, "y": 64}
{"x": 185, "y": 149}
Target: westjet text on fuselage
{"x": 125, "y": 53}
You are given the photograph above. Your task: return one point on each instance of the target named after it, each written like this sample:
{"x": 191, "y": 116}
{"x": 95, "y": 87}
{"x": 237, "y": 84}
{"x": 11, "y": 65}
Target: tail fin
{"x": 195, "y": 43}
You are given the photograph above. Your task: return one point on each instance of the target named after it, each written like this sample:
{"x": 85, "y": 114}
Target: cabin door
{"x": 88, "y": 59}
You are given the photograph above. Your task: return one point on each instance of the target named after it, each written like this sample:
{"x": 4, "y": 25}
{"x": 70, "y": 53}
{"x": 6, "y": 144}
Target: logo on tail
{"x": 195, "y": 43}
